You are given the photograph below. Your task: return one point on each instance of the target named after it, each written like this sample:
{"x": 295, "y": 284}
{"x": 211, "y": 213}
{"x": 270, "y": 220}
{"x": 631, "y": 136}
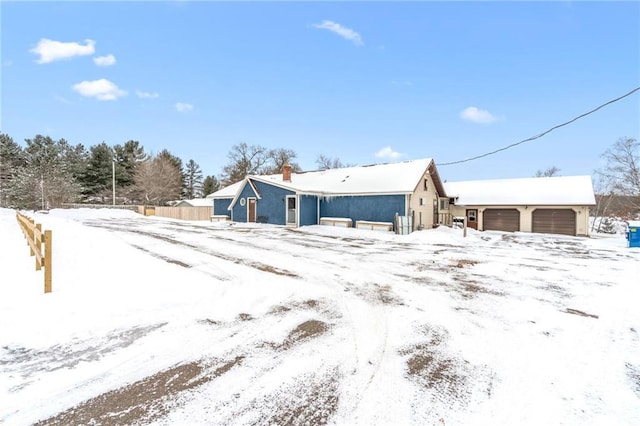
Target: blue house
{"x": 222, "y": 199}
{"x": 374, "y": 194}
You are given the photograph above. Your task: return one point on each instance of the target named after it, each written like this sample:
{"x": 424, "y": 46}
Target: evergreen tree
{"x": 97, "y": 179}
{"x": 11, "y": 160}
{"x": 46, "y": 180}
{"x": 75, "y": 158}
{"x": 193, "y": 180}
{"x": 210, "y": 185}
{"x": 128, "y": 157}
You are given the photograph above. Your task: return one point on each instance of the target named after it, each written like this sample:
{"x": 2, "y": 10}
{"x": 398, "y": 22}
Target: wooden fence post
{"x": 37, "y": 239}
{"x": 47, "y": 261}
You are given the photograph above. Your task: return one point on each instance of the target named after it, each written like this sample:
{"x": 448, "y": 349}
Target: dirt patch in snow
{"x": 142, "y": 401}
{"x": 375, "y": 293}
{"x": 244, "y": 317}
{"x": 305, "y": 331}
{"x": 160, "y": 256}
{"x": 633, "y": 373}
{"x": 430, "y": 366}
{"x": 470, "y": 288}
{"x": 461, "y": 263}
{"x": 307, "y": 304}
{"x": 580, "y": 313}
{"x": 312, "y": 404}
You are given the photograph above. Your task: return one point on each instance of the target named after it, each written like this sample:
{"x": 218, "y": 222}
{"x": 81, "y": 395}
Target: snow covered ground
{"x": 156, "y": 321}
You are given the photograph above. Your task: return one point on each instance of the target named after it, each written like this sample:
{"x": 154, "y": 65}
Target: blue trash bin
{"x": 633, "y": 233}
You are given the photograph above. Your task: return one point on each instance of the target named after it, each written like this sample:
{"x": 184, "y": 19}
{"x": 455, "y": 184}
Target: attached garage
{"x": 554, "y": 221}
{"x": 501, "y": 220}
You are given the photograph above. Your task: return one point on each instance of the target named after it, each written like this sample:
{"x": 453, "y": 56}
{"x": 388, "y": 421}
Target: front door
{"x": 251, "y": 209}
{"x": 472, "y": 218}
{"x": 291, "y": 210}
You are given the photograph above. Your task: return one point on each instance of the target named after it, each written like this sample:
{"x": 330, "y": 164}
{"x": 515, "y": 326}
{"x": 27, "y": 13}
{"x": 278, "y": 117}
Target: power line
{"x": 541, "y": 134}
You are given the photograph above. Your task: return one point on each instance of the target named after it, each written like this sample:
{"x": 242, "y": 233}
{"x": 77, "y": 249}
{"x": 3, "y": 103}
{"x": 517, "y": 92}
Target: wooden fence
{"x": 184, "y": 213}
{"x": 35, "y": 239}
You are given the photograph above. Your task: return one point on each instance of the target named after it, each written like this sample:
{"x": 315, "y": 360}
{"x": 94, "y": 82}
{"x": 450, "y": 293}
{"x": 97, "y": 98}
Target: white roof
{"x": 227, "y": 192}
{"x": 563, "y": 190}
{"x": 390, "y": 178}
{"x": 634, "y": 223}
{"x": 197, "y": 202}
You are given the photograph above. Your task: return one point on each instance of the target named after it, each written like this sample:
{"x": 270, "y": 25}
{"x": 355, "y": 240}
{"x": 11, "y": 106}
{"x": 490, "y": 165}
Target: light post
{"x": 113, "y": 182}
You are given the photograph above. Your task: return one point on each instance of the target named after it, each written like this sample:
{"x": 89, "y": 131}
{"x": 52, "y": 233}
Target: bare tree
{"x": 158, "y": 180}
{"x": 604, "y": 197}
{"x": 549, "y": 172}
{"x": 244, "y": 160}
{"x": 622, "y": 169}
{"x": 278, "y": 158}
{"x": 325, "y": 162}
{"x": 618, "y": 183}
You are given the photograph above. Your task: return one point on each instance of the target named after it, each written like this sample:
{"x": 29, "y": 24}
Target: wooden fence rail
{"x": 36, "y": 239}
{"x": 183, "y": 213}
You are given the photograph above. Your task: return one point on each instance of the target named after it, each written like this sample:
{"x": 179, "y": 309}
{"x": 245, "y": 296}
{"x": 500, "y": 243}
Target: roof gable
{"x": 562, "y": 190}
{"x": 229, "y": 191}
{"x": 195, "y": 202}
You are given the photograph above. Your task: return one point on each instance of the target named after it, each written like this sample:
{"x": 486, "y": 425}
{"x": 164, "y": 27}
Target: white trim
{"x": 286, "y": 210}
{"x": 255, "y": 203}
{"x": 239, "y": 191}
{"x": 255, "y": 190}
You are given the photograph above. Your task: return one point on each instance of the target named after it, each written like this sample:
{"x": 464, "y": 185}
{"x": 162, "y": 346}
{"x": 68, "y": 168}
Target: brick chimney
{"x": 286, "y": 172}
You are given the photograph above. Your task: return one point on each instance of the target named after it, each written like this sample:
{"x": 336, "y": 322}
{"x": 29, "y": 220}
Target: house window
{"x": 444, "y": 204}
{"x": 243, "y": 202}
{"x": 426, "y": 183}
{"x": 422, "y": 201}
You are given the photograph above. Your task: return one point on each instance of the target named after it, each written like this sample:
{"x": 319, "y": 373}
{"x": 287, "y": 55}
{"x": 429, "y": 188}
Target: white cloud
{"x": 146, "y": 95}
{"x": 477, "y": 115}
{"x": 51, "y": 50}
{"x": 183, "y": 107}
{"x": 343, "y": 32}
{"x": 102, "y": 90}
{"x": 104, "y": 61}
{"x": 387, "y": 152}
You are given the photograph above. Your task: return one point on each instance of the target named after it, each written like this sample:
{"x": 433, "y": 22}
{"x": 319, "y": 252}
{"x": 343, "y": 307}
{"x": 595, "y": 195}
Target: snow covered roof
{"x": 634, "y": 223}
{"x": 227, "y": 192}
{"x": 196, "y": 202}
{"x": 563, "y": 190}
{"x": 389, "y": 178}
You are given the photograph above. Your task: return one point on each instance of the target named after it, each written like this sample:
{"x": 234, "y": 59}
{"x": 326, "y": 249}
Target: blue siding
{"x": 271, "y": 207}
{"x": 220, "y": 206}
{"x": 377, "y": 208}
{"x": 308, "y": 210}
{"x": 240, "y": 212}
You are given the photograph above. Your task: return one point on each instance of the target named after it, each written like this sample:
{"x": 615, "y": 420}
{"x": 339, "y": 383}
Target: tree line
{"x": 46, "y": 173}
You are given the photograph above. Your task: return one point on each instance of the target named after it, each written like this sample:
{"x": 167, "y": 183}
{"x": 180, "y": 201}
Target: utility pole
{"x": 113, "y": 181}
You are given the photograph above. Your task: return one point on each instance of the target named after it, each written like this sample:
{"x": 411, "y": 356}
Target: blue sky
{"x": 366, "y": 82}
